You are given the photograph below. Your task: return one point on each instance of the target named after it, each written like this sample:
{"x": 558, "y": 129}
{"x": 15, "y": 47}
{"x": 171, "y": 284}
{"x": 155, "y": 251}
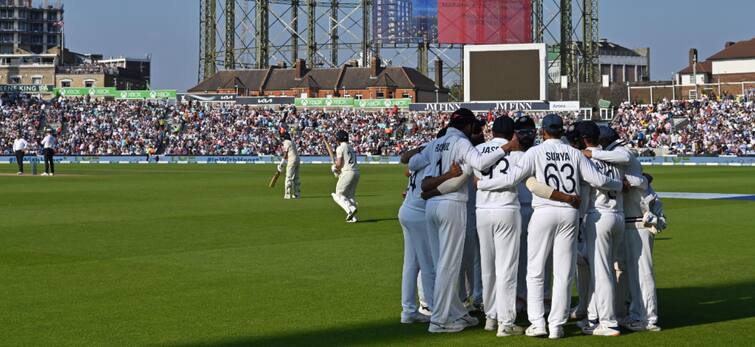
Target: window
{"x": 89, "y": 83}
{"x": 36, "y": 80}
{"x": 15, "y": 79}
{"x": 358, "y": 96}
{"x": 380, "y": 95}
{"x": 65, "y": 83}
{"x": 406, "y": 95}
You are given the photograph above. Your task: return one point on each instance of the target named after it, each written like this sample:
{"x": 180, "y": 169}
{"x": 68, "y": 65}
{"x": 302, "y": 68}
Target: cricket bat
{"x": 274, "y": 179}
{"x": 330, "y": 152}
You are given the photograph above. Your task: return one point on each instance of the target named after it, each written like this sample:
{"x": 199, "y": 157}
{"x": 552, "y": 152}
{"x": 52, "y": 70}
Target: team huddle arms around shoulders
{"x": 576, "y": 203}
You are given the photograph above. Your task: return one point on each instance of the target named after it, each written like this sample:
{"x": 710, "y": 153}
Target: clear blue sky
{"x": 169, "y": 30}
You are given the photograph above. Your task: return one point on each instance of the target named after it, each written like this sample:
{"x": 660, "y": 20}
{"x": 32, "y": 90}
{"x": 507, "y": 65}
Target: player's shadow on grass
{"x": 329, "y": 197}
{"x": 384, "y": 332}
{"x": 377, "y": 220}
{"x": 683, "y": 307}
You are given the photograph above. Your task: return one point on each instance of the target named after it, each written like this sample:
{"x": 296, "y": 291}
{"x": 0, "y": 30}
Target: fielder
{"x": 347, "y": 170}
{"x": 635, "y": 262}
{"x": 418, "y": 258}
{"x": 446, "y": 216}
{"x": 603, "y": 232}
{"x": 553, "y": 226}
{"x": 470, "y": 278}
{"x": 291, "y": 161}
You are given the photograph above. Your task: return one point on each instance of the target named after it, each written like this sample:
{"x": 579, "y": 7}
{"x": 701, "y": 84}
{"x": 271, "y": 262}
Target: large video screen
{"x": 513, "y": 72}
{"x": 452, "y": 21}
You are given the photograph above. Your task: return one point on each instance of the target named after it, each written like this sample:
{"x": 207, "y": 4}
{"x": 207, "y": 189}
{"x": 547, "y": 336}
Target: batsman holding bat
{"x": 291, "y": 161}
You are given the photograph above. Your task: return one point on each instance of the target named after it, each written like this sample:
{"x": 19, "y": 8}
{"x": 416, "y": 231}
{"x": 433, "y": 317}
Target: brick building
{"x": 735, "y": 63}
{"x": 373, "y": 82}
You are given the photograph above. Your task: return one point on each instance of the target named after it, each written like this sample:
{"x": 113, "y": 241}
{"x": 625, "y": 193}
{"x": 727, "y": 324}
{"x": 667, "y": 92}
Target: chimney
{"x": 301, "y": 68}
{"x": 374, "y": 67}
{"x": 692, "y": 56}
{"x": 438, "y": 73}
{"x": 729, "y": 44}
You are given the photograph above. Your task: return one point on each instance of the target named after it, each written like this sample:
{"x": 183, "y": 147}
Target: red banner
{"x": 485, "y": 21}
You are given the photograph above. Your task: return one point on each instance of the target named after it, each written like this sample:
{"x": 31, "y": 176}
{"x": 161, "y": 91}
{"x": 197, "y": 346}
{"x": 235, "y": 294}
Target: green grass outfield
{"x": 186, "y": 255}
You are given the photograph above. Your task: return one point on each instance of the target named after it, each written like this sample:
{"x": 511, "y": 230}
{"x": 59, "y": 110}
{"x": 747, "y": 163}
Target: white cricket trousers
{"x": 551, "y": 229}
{"x": 521, "y": 283}
{"x": 638, "y": 243}
{"x": 447, "y": 219}
{"x": 603, "y": 234}
{"x": 417, "y": 256}
{"x": 499, "y": 231}
{"x": 346, "y": 190}
{"x": 292, "y": 187}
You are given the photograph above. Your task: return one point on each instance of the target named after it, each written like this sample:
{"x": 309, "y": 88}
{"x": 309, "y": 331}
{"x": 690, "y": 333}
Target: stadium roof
{"x": 278, "y": 78}
{"x": 701, "y": 68}
{"x": 739, "y": 50}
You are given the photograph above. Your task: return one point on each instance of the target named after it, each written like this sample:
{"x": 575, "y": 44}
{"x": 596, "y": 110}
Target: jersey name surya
{"x": 556, "y": 156}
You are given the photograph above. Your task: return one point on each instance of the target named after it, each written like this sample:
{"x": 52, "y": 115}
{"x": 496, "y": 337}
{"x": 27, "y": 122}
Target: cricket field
{"x": 208, "y": 255}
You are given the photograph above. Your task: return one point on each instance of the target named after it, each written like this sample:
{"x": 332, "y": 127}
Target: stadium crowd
{"x": 89, "y": 127}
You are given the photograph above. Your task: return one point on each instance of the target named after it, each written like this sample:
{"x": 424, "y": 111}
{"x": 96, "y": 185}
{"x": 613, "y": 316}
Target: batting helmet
{"x": 342, "y": 136}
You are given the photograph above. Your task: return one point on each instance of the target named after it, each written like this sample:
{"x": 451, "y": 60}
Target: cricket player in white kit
{"x": 291, "y": 161}
{"x": 603, "y": 234}
{"x": 418, "y": 257}
{"x": 347, "y": 170}
{"x": 553, "y": 227}
{"x": 499, "y": 229}
{"x": 637, "y": 260}
{"x": 446, "y": 216}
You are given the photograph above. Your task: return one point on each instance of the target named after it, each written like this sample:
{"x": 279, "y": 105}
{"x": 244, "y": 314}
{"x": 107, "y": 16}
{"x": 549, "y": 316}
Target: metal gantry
{"x": 244, "y": 34}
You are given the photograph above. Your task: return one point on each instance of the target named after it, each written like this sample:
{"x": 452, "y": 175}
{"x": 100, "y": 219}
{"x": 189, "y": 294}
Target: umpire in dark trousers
{"x": 48, "y": 150}
{"x": 19, "y": 149}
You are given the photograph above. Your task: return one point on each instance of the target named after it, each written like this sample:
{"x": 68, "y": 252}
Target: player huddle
{"x": 505, "y": 224}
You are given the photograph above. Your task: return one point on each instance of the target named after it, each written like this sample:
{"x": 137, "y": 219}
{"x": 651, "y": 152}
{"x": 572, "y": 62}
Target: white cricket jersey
{"x": 499, "y": 198}
{"x": 632, "y": 168}
{"x": 48, "y": 142}
{"x": 559, "y": 166}
{"x": 20, "y": 145}
{"x": 455, "y": 147}
{"x": 349, "y": 157}
{"x": 605, "y": 200}
{"x": 413, "y": 197}
{"x": 292, "y": 155}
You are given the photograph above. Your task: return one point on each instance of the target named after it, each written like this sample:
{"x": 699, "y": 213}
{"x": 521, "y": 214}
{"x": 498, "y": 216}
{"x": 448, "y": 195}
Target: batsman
{"x": 291, "y": 161}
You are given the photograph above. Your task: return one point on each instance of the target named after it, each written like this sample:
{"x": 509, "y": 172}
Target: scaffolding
{"x": 245, "y": 34}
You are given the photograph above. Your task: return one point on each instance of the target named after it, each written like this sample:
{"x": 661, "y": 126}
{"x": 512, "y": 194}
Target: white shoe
{"x": 469, "y": 321}
{"x": 20, "y": 173}
{"x": 423, "y": 309}
{"x": 454, "y": 327}
{"x": 491, "y": 324}
{"x": 509, "y": 330}
{"x": 556, "y": 333}
{"x": 641, "y": 326}
{"x": 51, "y": 174}
{"x": 534, "y": 331}
{"x": 586, "y": 326}
{"x": 44, "y": 174}
{"x": 353, "y": 219}
{"x": 352, "y": 213}
{"x": 414, "y": 317}
{"x": 600, "y": 330}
